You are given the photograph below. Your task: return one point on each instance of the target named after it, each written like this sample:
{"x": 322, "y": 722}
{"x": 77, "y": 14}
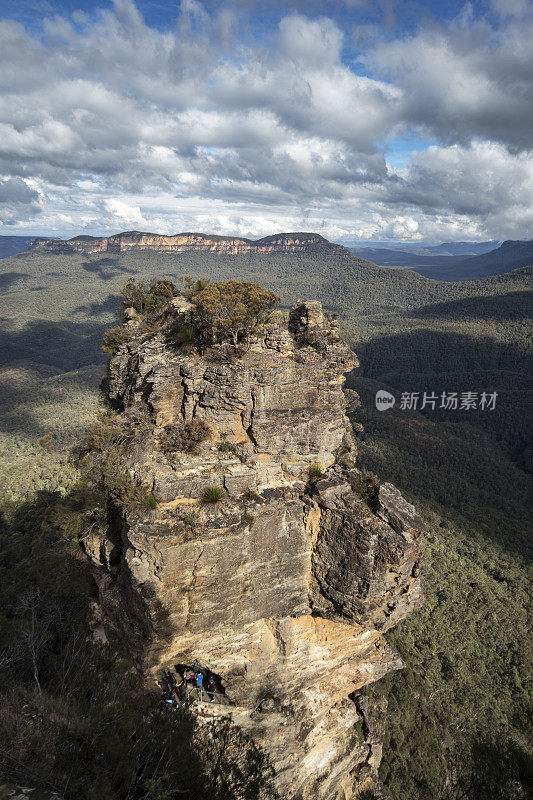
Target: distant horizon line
{"x": 346, "y": 242}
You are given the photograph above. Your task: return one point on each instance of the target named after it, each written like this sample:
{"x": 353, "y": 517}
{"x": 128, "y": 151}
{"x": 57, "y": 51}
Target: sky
{"x": 362, "y": 120}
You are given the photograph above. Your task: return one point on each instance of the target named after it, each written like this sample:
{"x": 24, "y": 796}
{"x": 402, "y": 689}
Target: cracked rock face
{"x": 285, "y": 587}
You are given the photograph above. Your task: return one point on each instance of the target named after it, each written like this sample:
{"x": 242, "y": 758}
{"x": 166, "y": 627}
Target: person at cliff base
{"x": 182, "y": 689}
{"x": 167, "y": 701}
{"x": 199, "y": 682}
{"x": 211, "y": 689}
{"x": 174, "y": 697}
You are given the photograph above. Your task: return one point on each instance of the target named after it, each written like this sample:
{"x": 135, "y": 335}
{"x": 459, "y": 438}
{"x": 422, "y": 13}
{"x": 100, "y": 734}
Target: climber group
{"x": 193, "y": 685}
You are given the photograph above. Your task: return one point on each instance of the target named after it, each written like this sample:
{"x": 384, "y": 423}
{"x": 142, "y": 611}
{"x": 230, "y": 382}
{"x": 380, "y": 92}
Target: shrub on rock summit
{"x": 114, "y": 338}
{"x": 147, "y": 298}
{"x": 231, "y": 310}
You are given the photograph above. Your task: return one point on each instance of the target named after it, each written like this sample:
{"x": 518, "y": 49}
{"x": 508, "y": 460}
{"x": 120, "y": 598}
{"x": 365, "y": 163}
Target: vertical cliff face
{"x": 285, "y": 586}
{"x": 185, "y": 242}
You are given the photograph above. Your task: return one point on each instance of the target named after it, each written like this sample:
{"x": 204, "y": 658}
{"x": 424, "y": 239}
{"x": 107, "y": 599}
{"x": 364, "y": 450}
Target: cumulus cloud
{"x": 110, "y": 123}
{"x": 125, "y": 212}
{"x": 468, "y": 79}
{"x": 479, "y": 179}
{"x": 17, "y": 201}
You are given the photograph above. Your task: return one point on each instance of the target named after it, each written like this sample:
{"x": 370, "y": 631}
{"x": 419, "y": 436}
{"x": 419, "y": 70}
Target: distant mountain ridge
{"x": 508, "y": 256}
{"x": 183, "y": 242}
{"x": 463, "y": 249}
{"x": 11, "y": 245}
{"x": 460, "y": 248}
{"x": 430, "y": 262}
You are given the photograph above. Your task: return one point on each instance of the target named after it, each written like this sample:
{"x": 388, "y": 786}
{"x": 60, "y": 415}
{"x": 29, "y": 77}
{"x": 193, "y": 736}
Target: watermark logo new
{"x": 449, "y": 401}
{"x": 384, "y": 400}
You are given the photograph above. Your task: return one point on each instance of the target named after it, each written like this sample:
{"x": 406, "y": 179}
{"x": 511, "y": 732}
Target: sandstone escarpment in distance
{"x": 285, "y": 587}
{"x": 185, "y": 242}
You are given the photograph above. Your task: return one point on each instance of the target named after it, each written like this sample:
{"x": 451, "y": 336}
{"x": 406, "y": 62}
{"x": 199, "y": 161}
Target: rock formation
{"x": 183, "y": 242}
{"x": 285, "y": 586}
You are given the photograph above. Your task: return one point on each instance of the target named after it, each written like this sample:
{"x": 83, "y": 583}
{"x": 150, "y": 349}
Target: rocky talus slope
{"x": 285, "y": 587}
{"x": 185, "y": 242}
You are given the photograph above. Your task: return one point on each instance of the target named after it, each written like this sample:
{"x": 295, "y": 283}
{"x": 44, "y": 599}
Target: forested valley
{"x": 459, "y": 723}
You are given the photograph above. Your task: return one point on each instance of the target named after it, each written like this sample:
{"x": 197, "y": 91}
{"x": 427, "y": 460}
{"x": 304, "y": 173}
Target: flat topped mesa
{"x": 266, "y": 556}
{"x": 185, "y": 242}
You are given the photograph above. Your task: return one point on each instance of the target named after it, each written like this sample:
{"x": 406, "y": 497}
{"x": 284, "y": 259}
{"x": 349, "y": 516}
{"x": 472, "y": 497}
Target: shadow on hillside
{"x": 38, "y": 385}
{"x": 429, "y": 351}
{"x": 63, "y": 345}
{"x": 38, "y": 405}
{"x": 7, "y": 279}
{"x": 107, "y": 306}
{"x": 511, "y": 306}
{"x": 455, "y": 464}
{"x": 107, "y": 268}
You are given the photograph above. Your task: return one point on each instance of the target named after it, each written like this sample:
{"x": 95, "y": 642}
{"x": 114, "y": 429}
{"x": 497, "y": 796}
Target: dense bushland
{"x": 460, "y": 714}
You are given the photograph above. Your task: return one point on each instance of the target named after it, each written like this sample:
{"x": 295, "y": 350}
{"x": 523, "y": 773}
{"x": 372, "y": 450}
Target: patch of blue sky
{"x": 351, "y": 16}
{"x": 94, "y": 177}
{"x": 398, "y": 151}
{"x": 31, "y": 13}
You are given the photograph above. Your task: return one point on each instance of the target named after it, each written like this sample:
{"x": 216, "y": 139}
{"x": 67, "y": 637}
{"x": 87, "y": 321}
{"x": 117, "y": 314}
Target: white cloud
{"x": 18, "y": 201}
{"x": 468, "y": 79}
{"x": 123, "y": 212}
{"x": 114, "y": 124}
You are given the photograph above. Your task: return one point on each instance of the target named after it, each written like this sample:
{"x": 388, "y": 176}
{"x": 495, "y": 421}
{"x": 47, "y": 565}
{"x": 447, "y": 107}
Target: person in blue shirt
{"x": 199, "y": 682}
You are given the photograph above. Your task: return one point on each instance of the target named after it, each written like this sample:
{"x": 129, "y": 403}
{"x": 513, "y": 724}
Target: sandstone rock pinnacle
{"x": 283, "y": 587}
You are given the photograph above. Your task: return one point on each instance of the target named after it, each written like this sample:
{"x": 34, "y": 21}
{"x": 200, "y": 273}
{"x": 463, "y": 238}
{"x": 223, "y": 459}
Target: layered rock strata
{"x": 284, "y": 587}
{"x": 184, "y": 242}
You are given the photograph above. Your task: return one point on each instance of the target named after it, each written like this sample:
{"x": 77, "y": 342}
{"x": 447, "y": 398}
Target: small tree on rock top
{"x": 147, "y": 298}
{"x": 231, "y": 310}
